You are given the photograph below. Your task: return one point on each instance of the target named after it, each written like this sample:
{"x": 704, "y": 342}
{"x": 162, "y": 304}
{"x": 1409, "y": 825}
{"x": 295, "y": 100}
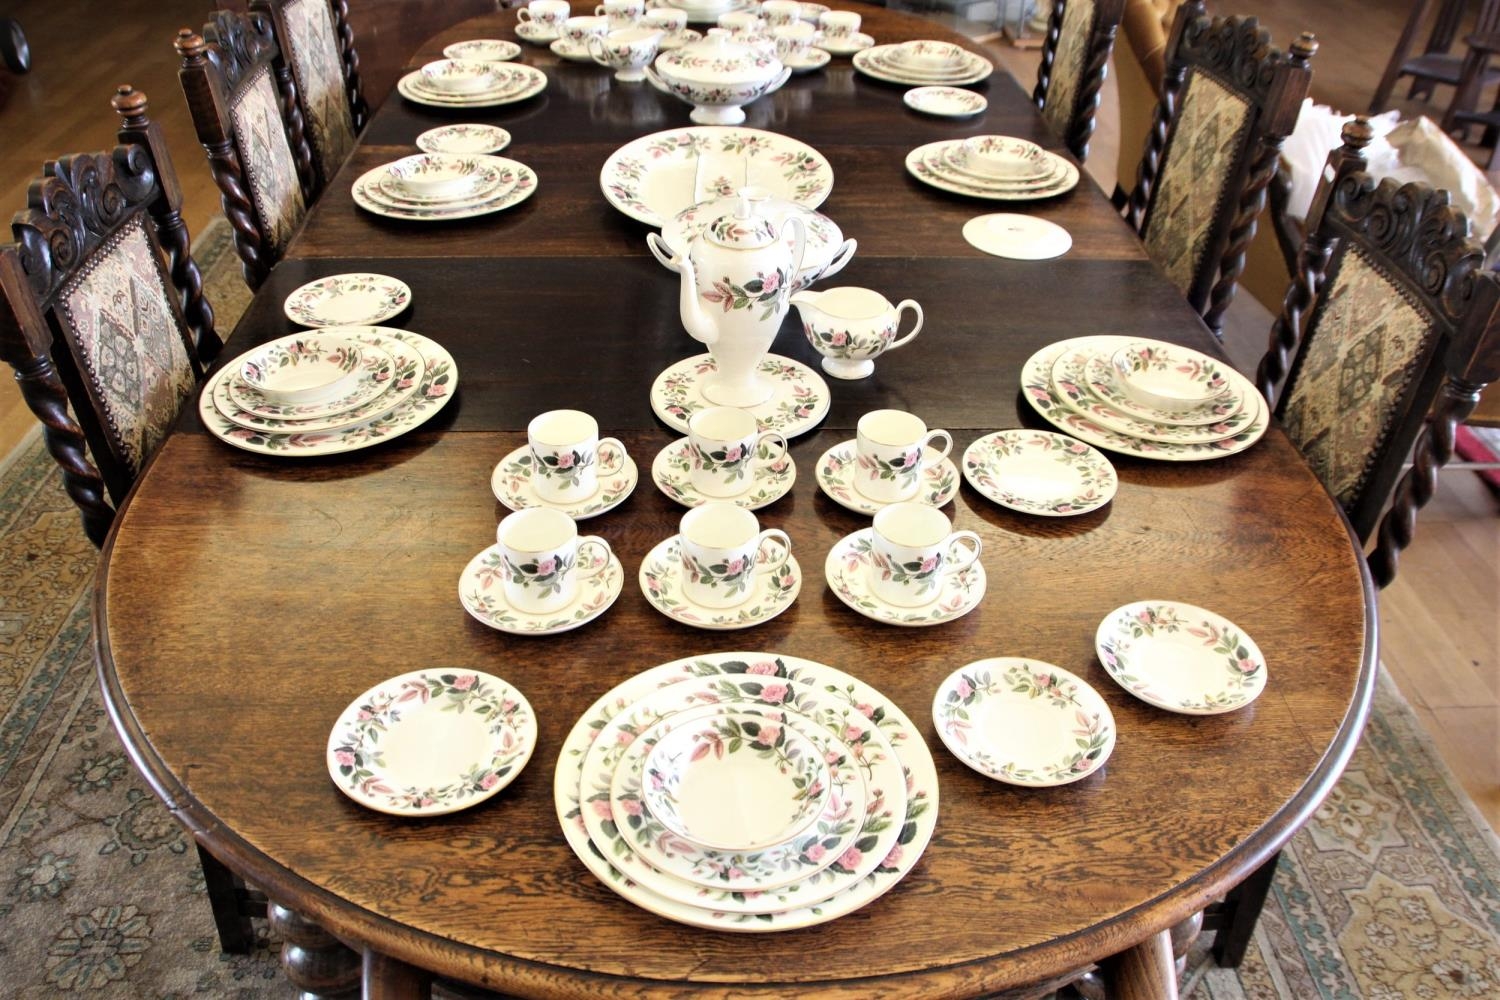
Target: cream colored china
{"x": 743, "y": 24}
{"x": 848, "y": 570}
{"x": 799, "y": 397}
{"x": 483, "y": 50}
{"x": 673, "y": 467}
{"x": 511, "y": 482}
{"x": 727, "y": 446}
{"x": 891, "y": 447}
{"x": 827, "y": 250}
{"x": 846, "y": 46}
{"x": 1169, "y": 378}
{"x": 781, "y": 12}
{"x": 773, "y": 589}
{"x": 736, "y": 281}
{"x": 628, "y": 51}
{"x": 544, "y": 14}
{"x": 481, "y": 595}
{"x": 354, "y": 299}
{"x": 537, "y": 34}
{"x": 303, "y": 368}
{"x": 718, "y": 76}
{"x": 539, "y": 551}
{"x": 522, "y": 82}
{"x": 926, "y": 164}
{"x": 839, "y": 24}
{"x": 622, "y": 13}
{"x": 851, "y": 327}
{"x": 945, "y": 102}
{"x": 434, "y": 175}
{"x": 721, "y": 546}
{"x": 1017, "y": 237}
{"x": 838, "y": 466}
{"x": 1074, "y": 383}
{"x": 669, "y": 20}
{"x": 521, "y": 185}
{"x": 460, "y": 76}
{"x": 1180, "y": 657}
{"x": 376, "y": 378}
{"x": 566, "y": 453}
{"x": 464, "y": 140}
{"x": 1099, "y": 377}
{"x": 578, "y": 29}
{"x": 876, "y": 61}
{"x": 1003, "y": 157}
{"x": 793, "y": 40}
{"x": 1039, "y": 472}
{"x": 912, "y": 547}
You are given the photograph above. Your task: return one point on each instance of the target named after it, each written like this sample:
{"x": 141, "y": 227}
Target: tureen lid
{"x": 719, "y": 59}
{"x": 745, "y": 226}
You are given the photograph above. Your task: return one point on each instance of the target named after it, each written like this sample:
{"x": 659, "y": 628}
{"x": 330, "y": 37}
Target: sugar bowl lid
{"x": 745, "y": 226}
{"x": 719, "y": 59}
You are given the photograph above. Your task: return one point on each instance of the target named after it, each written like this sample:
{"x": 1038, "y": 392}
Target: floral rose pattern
{"x": 1239, "y": 678}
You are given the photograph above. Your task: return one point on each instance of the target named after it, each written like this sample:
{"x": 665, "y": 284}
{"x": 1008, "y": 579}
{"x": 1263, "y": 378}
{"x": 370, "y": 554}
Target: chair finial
{"x": 1305, "y": 47}
{"x": 1357, "y": 133}
{"x": 129, "y": 102}
{"x": 189, "y": 44}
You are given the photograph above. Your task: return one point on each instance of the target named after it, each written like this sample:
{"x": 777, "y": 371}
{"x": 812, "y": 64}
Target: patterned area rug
{"x": 1392, "y": 891}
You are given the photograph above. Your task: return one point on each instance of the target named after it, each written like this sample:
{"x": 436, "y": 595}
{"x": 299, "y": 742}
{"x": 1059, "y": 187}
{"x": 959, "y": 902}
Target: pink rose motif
{"x": 546, "y": 567}
{"x": 632, "y": 806}
{"x": 763, "y": 667}
{"x": 464, "y": 682}
{"x": 815, "y": 852}
{"x": 964, "y": 688}
{"x": 435, "y": 391}
{"x": 602, "y": 809}
{"x": 489, "y": 781}
{"x": 892, "y": 859}
{"x": 850, "y": 859}
{"x": 839, "y": 339}
{"x": 1043, "y": 681}
{"x": 344, "y": 757}
{"x": 866, "y": 709}
{"x": 831, "y": 756}
{"x": 929, "y": 564}
{"x": 768, "y": 735}
{"x": 624, "y": 739}
{"x": 774, "y": 694}
{"x": 735, "y": 567}
{"x": 1144, "y": 615}
{"x": 734, "y": 452}
{"x": 735, "y": 872}
{"x": 565, "y": 460}
{"x": 852, "y": 733}
{"x": 1246, "y": 665}
{"x": 364, "y": 715}
{"x": 770, "y": 282}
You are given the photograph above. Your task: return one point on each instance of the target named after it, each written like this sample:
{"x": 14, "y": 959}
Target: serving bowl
{"x": 718, "y": 76}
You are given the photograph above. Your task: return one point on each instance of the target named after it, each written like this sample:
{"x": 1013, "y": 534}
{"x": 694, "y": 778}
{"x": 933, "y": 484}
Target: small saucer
{"x": 799, "y": 396}
{"x": 835, "y": 471}
{"x": 483, "y": 50}
{"x": 672, "y": 472}
{"x": 511, "y": 483}
{"x": 945, "y": 102}
{"x": 535, "y": 34}
{"x": 845, "y": 570}
{"x": 1018, "y": 237}
{"x": 661, "y": 582}
{"x": 481, "y": 591}
{"x": 814, "y": 59}
{"x": 1039, "y": 472}
{"x": 565, "y": 48}
{"x": 848, "y": 46}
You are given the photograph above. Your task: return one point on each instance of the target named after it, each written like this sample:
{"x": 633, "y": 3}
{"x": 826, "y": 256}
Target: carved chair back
{"x": 247, "y": 118}
{"x": 106, "y": 310}
{"x": 1228, "y": 100}
{"x": 1075, "y": 57}
{"x": 1391, "y": 309}
{"x": 317, "y": 48}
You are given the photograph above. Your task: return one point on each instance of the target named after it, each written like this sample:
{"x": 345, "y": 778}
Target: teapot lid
{"x": 745, "y": 227}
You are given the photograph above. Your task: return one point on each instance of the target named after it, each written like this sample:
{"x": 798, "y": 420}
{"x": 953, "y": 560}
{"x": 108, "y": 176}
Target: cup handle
{"x": 593, "y": 565}
{"x": 596, "y": 50}
{"x": 773, "y": 535}
{"x": 914, "y": 307}
{"x": 599, "y": 11}
{"x": 772, "y": 437}
{"x": 523, "y": 14}
{"x": 947, "y": 440}
{"x": 957, "y": 551}
{"x": 613, "y": 446}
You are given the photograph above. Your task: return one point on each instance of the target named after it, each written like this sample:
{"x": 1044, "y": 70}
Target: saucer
{"x": 661, "y": 582}
{"x": 535, "y": 34}
{"x": 945, "y": 102}
{"x": 1039, "y": 472}
{"x": 511, "y": 483}
{"x": 799, "y": 397}
{"x": 845, "y": 570}
{"x": 1180, "y": 657}
{"x": 835, "y": 471}
{"x": 565, "y": 48}
{"x": 483, "y": 50}
{"x": 847, "y": 46}
{"x": 815, "y": 58}
{"x": 672, "y": 472}
{"x": 464, "y": 139}
{"x": 482, "y": 593}
{"x": 358, "y": 299}
{"x": 1017, "y": 237}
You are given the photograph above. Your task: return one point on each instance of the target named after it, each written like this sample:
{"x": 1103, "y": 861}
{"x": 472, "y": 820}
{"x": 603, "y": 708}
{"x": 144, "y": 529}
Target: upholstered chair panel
{"x": 1198, "y": 163}
{"x": 260, "y": 140}
{"x": 312, "y": 52}
{"x": 1068, "y": 64}
{"x": 127, "y": 342}
{"x": 1364, "y": 345}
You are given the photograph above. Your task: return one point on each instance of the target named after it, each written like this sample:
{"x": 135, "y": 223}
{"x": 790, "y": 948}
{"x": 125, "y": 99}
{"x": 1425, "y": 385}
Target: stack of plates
{"x": 923, "y": 62}
{"x": 498, "y": 83}
{"x": 708, "y": 11}
{"x": 949, "y": 165}
{"x": 878, "y": 806}
{"x": 1075, "y": 385}
{"x": 328, "y": 391}
{"x": 437, "y": 186}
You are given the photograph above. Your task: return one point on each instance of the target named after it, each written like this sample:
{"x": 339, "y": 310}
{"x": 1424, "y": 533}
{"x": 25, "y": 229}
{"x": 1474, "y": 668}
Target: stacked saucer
{"x": 996, "y": 167}
{"x": 437, "y": 186}
{"x": 922, "y": 62}
{"x": 1145, "y": 397}
{"x": 465, "y": 83}
{"x": 732, "y": 791}
{"x": 327, "y": 391}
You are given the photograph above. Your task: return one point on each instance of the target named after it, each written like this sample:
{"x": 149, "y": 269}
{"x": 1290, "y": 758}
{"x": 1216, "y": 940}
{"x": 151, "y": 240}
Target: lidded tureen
{"x": 717, "y": 75}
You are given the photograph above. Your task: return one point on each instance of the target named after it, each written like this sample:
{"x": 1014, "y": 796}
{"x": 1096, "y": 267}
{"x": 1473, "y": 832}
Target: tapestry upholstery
{"x": 314, "y": 57}
{"x": 127, "y": 341}
{"x": 1363, "y": 347}
{"x": 1197, "y": 163}
{"x": 266, "y": 156}
{"x": 1068, "y": 64}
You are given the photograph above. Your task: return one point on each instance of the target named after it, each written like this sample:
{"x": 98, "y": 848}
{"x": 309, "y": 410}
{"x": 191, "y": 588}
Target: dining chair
{"x": 1229, "y": 98}
{"x": 252, "y": 131}
{"x": 1075, "y": 57}
{"x": 316, "y": 46}
{"x": 1437, "y": 64}
{"x": 1387, "y": 335}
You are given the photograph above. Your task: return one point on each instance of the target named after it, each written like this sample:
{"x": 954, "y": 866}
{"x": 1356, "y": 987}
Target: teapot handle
{"x": 801, "y": 232}
{"x": 662, "y": 252}
{"x": 912, "y": 305}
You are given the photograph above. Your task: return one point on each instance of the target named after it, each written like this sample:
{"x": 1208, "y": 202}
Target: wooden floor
{"x": 1440, "y": 620}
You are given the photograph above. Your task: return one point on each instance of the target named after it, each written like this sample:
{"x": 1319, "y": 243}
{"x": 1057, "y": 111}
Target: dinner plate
{"x": 431, "y": 742}
{"x": 535, "y": 81}
{"x": 919, "y": 166}
{"x": 1023, "y": 722}
{"x": 1039, "y": 472}
{"x": 653, "y": 178}
{"x": 482, "y": 593}
{"x": 376, "y": 376}
{"x": 772, "y": 591}
{"x": 374, "y": 203}
{"x": 402, "y": 375}
{"x": 438, "y": 381}
{"x": 874, "y": 62}
{"x": 1073, "y": 383}
{"x": 840, "y": 697}
{"x": 1037, "y": 388}
{"x": 1102, "y": 382}
{"x": 356, "y": 299}
{"x": 799, "y": 397}
{"x": 847, "y": 571}
{"x": 303, "y": 368}
{"x": 490, "y": 180}
{"x": 1180, "y": 657}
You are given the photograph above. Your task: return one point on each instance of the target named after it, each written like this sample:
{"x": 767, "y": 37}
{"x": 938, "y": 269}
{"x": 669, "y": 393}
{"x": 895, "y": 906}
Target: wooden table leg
{"x": 315, "y": 961}
{"x": 389, "y": 979}
{"x": 1145, "y": 972}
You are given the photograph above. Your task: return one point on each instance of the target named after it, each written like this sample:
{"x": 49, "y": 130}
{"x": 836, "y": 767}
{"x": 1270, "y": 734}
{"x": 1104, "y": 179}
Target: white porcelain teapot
{"x": 736, "y": 281}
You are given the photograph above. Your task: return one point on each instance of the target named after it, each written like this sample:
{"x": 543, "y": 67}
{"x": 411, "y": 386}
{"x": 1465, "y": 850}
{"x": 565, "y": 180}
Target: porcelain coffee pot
{"x": 736, "y": 281}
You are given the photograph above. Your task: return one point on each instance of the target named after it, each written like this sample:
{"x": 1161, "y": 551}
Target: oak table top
{"x": 245, "y": 600}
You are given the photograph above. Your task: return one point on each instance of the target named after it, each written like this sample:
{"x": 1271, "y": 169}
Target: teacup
{"x": 742, "y": 24}
{"x": 566, "y": 454}
{"x": 545, "y": 14}
{"x": 577, "y": 29}
{"x": 668, "y": 20}
{"x": 851, "y": 327}
{"x": 1003, "y": 157}
{"x": 779, "y": 12}
{"x": 793, "y": 40}
{"x": 544, "y": 558}
{"x": 912, "y": 547}
{"x": 628, "y": 51}
{"x": 720, "y": 545}
{"x": 621, "y": 13}
{"x": 890, "y": 447}
{"x": 839, "y": 25}
{"x": 725, "y": 442}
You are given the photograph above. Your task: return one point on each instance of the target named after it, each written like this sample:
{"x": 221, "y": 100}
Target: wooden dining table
{"x": 245, "y": 599}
